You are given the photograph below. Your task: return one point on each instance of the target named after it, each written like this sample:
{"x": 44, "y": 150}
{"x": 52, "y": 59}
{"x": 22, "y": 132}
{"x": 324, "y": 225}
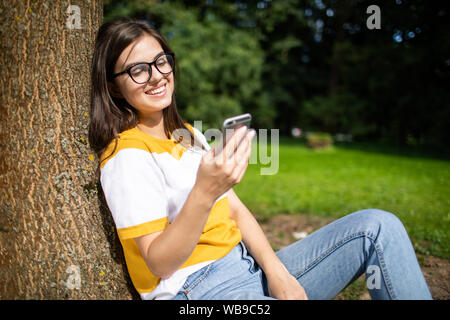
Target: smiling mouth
{"x": 158, "y": 92}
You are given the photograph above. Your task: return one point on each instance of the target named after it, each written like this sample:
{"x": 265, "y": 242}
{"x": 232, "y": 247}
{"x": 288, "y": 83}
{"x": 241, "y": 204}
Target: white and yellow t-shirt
{"x": 146, "y": 182}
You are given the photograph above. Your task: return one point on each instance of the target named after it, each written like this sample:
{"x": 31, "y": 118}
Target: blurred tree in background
{"x": 311, "y": 64}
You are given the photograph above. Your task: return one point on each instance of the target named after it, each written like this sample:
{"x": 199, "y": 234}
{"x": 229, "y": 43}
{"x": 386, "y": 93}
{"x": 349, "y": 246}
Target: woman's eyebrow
{"x": 132, "y": 63}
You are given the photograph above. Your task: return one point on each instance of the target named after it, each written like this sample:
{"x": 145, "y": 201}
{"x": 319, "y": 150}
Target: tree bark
{"x": 57, "y": 239}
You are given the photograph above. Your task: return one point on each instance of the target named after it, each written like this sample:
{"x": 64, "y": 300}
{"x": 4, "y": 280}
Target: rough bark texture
{"x": 57, "y": 240}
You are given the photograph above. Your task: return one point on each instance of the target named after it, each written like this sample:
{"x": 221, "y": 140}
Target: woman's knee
{"x": 380, "y": 220}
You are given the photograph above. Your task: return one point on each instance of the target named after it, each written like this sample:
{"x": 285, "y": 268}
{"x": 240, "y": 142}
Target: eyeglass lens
{"x": 142, "y": 72}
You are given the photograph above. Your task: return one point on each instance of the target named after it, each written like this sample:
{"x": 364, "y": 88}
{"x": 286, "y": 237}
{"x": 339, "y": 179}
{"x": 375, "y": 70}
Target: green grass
{"x": 354, "y": 291}
{"x": 341, "y": 180}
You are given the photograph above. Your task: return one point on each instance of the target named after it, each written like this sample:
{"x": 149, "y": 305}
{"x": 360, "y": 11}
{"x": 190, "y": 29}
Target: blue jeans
{"x": 369, "y": 241}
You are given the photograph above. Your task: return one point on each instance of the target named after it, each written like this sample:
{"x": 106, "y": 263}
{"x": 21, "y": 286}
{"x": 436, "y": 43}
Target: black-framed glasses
{"x": 141, "y": 72}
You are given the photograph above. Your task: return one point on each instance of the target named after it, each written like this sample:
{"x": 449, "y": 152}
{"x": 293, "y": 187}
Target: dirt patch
{"x": 285, "y": 229}
{"x": 280, "y": 230}
{"x": 437, "y": 275}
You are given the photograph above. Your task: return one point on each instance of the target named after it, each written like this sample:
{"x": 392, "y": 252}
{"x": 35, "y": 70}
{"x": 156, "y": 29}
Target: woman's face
{"x": 143, "y": 97}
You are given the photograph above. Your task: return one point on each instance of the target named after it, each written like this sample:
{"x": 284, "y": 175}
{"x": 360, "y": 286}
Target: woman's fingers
{"x": 243, "y": 161}
{"x": 240, "y": 154}
{"x": 233, "y": 143}
{"x": 241, "y": 157}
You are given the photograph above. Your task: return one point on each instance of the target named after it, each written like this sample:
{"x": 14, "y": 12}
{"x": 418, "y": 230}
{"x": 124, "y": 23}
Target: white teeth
{"x": 156, "y": 91}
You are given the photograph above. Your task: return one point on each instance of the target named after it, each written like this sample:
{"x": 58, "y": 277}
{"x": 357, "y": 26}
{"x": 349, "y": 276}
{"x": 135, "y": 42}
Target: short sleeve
{"x": 202, "y": 138}
{"x": 134, "y": 190}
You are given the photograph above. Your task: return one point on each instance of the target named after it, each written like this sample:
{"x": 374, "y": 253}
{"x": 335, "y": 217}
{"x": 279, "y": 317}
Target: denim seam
{"x": 384, "y": 272}
{"x": 247, "y": 257}
{"x": 189, "y": 287}
{"x": 344, "y": 241}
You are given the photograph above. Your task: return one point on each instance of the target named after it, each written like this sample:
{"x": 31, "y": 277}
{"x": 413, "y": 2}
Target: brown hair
{"x": 109, "y": 115}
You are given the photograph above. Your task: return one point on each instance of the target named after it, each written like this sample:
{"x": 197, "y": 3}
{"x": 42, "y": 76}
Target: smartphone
{"x": 233, "y": 123}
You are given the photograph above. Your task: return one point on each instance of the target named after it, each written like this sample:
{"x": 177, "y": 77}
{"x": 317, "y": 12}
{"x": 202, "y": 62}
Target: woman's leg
{"x": 369, "y": 241}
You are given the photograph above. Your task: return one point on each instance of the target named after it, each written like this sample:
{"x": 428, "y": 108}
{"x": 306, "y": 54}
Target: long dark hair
{"x": 109, "y": 115}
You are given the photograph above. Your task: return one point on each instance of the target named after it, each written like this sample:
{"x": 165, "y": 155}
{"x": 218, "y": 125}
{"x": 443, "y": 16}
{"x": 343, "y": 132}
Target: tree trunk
{"x": 57, "y": 240}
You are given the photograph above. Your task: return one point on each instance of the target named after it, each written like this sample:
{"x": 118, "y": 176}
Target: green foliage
{"x": 220, "y": 67}
{"x": 341, "y": 112}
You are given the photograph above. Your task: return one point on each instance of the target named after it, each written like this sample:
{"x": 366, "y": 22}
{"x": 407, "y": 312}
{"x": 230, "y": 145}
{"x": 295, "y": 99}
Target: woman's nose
{"x": 156, "y": 75}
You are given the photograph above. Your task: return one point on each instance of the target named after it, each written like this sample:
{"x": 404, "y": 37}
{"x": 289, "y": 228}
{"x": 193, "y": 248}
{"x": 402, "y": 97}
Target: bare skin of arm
{"x": 282, "y": 285}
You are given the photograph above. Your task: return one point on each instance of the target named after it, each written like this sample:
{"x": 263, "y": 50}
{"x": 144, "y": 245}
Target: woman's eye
{"x": 137, "y": 70}
{"x": 161, "y": 63}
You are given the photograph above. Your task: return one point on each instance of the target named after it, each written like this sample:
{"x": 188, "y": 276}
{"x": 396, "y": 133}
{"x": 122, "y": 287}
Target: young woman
{"x": 184, "y": 232}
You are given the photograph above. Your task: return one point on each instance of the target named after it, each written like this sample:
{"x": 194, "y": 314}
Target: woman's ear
{"x": 114, "y": 90}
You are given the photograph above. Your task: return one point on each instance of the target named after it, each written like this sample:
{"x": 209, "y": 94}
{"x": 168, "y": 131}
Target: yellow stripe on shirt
{"x": 143, "y": 229}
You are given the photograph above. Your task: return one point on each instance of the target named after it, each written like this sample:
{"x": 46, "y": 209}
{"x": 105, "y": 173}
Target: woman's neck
{"x": 153, "y": 126}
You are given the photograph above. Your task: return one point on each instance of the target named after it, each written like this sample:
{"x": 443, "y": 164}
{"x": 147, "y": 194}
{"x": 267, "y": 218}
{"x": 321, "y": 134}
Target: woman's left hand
{"x": 284, "y": 286}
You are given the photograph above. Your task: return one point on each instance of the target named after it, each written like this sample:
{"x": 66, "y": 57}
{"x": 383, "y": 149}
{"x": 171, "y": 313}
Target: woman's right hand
{"x": 221, "y": 170}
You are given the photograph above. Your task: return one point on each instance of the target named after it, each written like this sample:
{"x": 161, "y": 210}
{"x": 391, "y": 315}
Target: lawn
{"x": 332, "y": 183}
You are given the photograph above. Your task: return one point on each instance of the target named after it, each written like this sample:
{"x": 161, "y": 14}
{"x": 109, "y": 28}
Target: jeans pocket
{"x": 247, "y": 257}
{"x": 195, "y": 279}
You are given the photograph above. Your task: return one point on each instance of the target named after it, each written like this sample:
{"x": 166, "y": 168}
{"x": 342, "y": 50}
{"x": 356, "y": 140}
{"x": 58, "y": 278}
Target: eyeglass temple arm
{"x": 118, "y": 74}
